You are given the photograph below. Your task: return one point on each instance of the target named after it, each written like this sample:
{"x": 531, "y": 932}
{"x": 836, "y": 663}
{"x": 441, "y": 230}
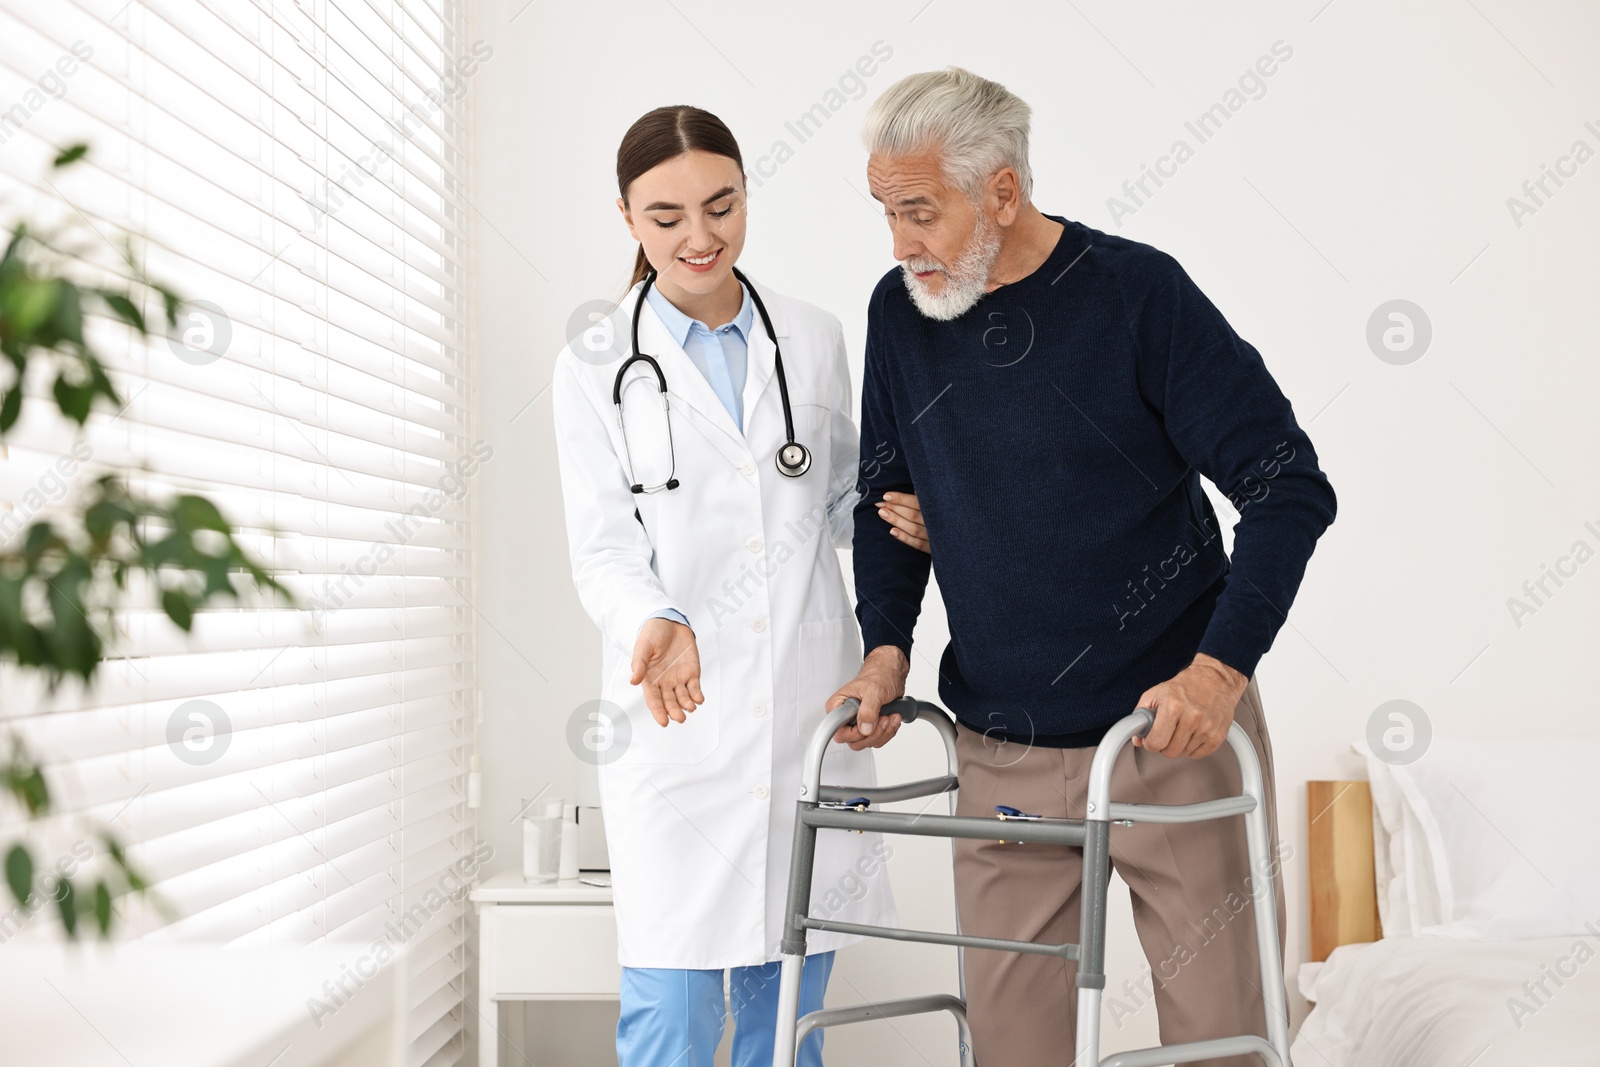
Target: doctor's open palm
{"x": 666, "y": 660}
{"x": 666, "y": 663}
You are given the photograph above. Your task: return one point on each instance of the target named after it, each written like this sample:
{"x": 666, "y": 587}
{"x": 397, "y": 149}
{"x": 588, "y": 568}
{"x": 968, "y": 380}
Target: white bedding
{"x": 1440, "y": 1002}
{"x": 1460, "y": 853}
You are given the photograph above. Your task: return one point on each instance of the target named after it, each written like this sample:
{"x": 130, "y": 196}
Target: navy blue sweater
{"x": 1055, "y": 435}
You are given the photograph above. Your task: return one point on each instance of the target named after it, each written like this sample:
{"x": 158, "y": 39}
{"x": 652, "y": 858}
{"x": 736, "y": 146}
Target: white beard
{"x": 964, "y": 280}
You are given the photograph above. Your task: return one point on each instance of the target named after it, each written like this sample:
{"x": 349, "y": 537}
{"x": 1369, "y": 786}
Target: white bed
{"x": 1425, "y": 1001}
{"x": 1456, "y": 901}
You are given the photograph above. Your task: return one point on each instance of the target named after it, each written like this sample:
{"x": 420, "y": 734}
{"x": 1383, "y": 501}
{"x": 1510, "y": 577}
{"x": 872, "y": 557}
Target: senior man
{"x": 1053, "y": 394}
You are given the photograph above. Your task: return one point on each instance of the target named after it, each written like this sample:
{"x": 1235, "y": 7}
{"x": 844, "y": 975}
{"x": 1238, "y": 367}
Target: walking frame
{"x": 829, "y": 807}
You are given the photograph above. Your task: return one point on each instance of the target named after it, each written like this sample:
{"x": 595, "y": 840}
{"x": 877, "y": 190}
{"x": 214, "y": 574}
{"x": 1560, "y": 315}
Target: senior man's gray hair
{"x": 976, "y": 125}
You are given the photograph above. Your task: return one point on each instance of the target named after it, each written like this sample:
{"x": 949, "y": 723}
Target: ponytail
{"x": 641, "y": 268}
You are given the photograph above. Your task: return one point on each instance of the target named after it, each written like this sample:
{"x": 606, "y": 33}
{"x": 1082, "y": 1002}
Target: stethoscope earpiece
{"x": 793, "y": 458}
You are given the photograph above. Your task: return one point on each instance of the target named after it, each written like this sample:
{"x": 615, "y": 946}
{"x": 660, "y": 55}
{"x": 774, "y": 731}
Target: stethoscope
{"x": 793, "y": 459}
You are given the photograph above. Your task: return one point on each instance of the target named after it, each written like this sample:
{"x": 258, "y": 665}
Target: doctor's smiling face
{"x": 688, "y": 214}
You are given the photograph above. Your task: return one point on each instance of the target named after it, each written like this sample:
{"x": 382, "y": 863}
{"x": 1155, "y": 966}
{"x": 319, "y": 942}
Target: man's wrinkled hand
{"x": 1193, "y": 709}
{"x": 882, "y": 678}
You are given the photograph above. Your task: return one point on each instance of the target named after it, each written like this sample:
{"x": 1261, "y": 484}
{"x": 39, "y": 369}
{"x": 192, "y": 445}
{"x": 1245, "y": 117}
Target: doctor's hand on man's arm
{"x": 903, "y": 513}
{"x": 666, "y": 662}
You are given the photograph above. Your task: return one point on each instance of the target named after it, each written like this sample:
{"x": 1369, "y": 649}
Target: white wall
{"x": 1376, "y": 166}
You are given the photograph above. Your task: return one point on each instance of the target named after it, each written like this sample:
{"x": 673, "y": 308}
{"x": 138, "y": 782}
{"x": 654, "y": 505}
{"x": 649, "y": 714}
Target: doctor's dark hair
{"x": 663, "y": 134}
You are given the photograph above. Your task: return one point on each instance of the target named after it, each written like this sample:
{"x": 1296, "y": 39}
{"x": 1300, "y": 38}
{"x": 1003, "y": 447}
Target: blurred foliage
{"x": 63, "y": 579}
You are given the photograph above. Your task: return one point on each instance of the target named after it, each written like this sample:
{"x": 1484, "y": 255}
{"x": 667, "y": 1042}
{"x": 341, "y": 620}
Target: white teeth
{"x": 702, "y": 261}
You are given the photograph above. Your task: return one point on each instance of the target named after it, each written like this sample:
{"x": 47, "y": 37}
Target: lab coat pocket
{"x": 828, "y": 655}
{"x": 687, "y": 742}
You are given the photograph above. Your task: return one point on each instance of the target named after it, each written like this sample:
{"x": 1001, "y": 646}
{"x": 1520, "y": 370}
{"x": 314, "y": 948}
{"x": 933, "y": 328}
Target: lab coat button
{"x": 747, "y": 468}
{"x": 754, "y": 544}
{"x": 761, "y": 792}
{"x": 759, "y": 626}
{"x": 759, "y": 710}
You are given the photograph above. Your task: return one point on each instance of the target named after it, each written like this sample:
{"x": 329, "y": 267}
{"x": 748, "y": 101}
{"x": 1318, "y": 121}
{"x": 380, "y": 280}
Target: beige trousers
{"x": 1192, "y": 887}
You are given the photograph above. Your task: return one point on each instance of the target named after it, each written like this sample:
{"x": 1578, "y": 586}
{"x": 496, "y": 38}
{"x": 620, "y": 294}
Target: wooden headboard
{"x": 1344, "y": 894}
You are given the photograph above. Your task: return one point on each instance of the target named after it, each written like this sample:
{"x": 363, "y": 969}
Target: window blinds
{"x": 300, "y": 167}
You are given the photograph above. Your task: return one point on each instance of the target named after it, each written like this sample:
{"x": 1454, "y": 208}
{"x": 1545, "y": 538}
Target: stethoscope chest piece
{"x": 793, "y": 459}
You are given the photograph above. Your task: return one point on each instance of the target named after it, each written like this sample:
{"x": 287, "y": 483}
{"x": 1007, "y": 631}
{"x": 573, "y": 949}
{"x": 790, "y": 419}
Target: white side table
{"x": 555, "y": 941}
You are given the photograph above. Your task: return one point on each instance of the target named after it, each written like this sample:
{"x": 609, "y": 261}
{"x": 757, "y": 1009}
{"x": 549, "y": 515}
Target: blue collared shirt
{"x": 722, "y": 355}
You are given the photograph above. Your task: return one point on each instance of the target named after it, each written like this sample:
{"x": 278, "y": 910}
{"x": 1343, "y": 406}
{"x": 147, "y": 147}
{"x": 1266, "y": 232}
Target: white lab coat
{"x": 700, "y": 815}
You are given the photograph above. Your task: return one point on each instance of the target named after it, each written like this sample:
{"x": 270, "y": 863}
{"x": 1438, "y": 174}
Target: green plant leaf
{"x": 102, "y": 907}
{"x": 125, "y": 309}
{"x": 19, "y": 873}
{"x": 41, "y": 536}
{"x": 31, "y": 303}
{"x": 198, "y": 513}
{"x": 106, "y": 512}
{"x": 170, "y": 302}
{"x": 35, "y": 794}
{"x": 67, "y": 904}
{"x": 18, "y": 235}
{"x": 10, "y": 408}
{"x": 179, "y": 608}
{"x": 73, "y": 400}
{"x": 71, "y": 155}
{"x": 136, "y": 881}
{"x": 69, "y": 313}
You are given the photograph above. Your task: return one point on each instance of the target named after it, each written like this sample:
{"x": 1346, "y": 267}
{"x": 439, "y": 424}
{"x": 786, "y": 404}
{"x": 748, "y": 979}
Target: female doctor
{"x": 708, "y": 562}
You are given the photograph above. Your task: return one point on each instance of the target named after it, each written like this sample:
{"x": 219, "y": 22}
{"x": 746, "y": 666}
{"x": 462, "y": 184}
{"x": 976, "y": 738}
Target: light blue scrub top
{"x": 722, "y": 355}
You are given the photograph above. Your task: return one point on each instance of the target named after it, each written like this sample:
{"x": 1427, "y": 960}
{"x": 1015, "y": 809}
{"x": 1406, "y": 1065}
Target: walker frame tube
{"x": 1092, "y": 834}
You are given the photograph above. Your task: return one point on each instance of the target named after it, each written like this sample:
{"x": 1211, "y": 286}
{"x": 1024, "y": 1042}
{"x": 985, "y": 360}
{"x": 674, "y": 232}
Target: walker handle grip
{"x": 906, "y": 707}
{"x": 1149, "y": 716}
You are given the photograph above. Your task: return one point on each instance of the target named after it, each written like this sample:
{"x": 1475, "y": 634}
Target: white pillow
{"x": 1388, "y": 862}
{"x": 1402, "y": 865}
{"x": 1489, "y": 839}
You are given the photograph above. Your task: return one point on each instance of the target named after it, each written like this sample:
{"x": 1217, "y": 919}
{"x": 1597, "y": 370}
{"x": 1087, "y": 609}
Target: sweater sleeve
{"x": 1229, "y": 420}
{"x": 891, "y": 576}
